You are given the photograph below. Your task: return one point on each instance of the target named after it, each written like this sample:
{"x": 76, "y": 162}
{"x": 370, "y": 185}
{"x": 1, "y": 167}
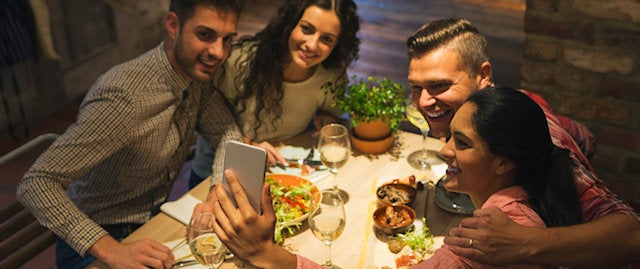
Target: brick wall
{"x": 584, "y": 57}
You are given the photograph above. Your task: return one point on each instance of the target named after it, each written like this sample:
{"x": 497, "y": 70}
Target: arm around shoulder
{"x": 613, "y": 239}
{"x": 609, "y": 241}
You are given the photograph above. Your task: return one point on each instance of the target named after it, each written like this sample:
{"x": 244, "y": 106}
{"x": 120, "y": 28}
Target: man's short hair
{"x": 185, "y": 8}
{"x": 459, "y": 34}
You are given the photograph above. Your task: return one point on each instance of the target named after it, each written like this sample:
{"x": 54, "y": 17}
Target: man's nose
{"x": 216, "y": 48}
{"x": 426, "y": 99}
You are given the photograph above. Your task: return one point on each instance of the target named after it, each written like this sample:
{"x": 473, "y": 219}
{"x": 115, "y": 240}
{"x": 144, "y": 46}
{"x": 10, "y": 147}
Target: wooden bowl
{"x": 395, "y": 194}
{"x": 371, "y": 146}
{"x": 394, "y": 219}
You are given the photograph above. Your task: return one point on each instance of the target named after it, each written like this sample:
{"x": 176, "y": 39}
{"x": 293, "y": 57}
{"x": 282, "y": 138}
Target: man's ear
{"x": 172, "y": 25}
{"x": 485, "y": 75}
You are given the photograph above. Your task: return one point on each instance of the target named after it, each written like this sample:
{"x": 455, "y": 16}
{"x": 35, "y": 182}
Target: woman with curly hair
{"x": 274, "y": 80}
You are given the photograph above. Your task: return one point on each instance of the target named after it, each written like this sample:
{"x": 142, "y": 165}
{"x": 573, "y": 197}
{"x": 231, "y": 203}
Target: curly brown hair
{"x": 264, "y": 70}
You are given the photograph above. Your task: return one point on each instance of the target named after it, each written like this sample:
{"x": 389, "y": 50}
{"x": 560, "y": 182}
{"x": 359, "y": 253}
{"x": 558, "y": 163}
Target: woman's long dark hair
{"x": 264, "y": 73}
{"x": 515, "y": 127}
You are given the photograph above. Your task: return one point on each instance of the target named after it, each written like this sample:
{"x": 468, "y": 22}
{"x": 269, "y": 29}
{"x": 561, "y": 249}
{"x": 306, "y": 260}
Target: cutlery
{"x": 181, "y": 243}
{"x": 281, "y": 165}
{"x": 298, "y": 162}
{"x": 310, "y": 155}
{"x": 184, "y": 263}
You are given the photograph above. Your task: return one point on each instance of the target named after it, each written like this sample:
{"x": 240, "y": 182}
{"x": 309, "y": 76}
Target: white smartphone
{"x": 249, "y": 164}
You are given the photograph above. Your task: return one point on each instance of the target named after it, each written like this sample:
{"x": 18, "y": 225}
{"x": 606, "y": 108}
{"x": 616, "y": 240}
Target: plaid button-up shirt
{"x": 117, "y": 163}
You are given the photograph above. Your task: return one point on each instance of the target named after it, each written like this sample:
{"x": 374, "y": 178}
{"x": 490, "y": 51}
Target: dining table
{"x": 359, "y": 243}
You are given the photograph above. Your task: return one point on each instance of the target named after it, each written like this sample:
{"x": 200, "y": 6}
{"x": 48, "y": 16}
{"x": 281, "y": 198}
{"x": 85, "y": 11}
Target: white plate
{"x": 290, "y": 152}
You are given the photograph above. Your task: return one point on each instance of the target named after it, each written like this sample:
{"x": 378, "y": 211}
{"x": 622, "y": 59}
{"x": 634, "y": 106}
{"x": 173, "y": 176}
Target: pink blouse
{"x": 510, "y": 201}
{"x": 304, "y": 263}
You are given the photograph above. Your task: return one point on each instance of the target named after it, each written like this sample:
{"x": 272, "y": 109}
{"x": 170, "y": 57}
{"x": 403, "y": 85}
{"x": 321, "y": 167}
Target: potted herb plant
{"x": 376, "y": 106}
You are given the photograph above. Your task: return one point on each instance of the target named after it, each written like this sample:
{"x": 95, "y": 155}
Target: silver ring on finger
{"x": 470, "y": 242}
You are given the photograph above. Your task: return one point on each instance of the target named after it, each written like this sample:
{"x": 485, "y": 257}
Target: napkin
{"x": 291, "y": 152}
{"x": 181, "y": 209}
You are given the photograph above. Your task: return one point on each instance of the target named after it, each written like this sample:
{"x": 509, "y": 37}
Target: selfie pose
{"x": 500, "y": 153}
{"x": 447, "y": 63}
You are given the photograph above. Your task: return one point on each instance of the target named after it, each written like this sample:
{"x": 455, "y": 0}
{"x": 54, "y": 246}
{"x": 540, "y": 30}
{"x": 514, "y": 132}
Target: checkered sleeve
{"x": 218, "y": 126}
{"x": 101, "y": 130}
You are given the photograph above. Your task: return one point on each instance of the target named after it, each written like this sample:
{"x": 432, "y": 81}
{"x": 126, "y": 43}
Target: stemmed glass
{"x": 327, "y": 220}
{"x": 203, "y": 241}
{"x": 419, "y": 159}
{"x": 335, "y": 147}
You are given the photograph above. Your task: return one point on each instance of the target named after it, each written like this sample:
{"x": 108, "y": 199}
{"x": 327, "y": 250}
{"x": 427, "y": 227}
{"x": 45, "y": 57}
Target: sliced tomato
{"x": 405, "y": 261}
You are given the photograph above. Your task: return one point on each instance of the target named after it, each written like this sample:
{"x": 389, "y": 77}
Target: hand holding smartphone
{"x": 249, "y": 164}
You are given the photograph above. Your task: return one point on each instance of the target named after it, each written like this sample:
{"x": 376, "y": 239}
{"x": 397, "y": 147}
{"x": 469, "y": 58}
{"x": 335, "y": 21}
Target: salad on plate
{"x": 291, "y": 199}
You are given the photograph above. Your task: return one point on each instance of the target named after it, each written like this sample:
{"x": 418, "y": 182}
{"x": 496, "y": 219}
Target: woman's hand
{"x": 322, "y": 119}
{"x": 273, "y": 156}
{"x": 245, "y": 232}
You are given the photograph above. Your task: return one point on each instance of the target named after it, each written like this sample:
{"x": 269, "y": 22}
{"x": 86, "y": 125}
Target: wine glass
{"x": 203, "y": 241}
{"x": 327, "y": 220}
{"x": 420, "y": 159}
{"x": 334, "y": 147}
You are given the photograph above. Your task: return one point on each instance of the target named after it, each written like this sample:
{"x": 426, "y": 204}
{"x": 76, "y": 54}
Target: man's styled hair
{"x": 459, "y": 34}
{"x": 185, "y": 8}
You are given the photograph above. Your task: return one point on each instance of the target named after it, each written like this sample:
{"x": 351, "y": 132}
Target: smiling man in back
{"x": 447, "y": 63}
{"x": 112, "y": 169}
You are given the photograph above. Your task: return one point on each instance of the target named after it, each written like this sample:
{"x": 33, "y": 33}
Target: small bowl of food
{"x": 395, "y": 194}
{"x": 394, "y": 219}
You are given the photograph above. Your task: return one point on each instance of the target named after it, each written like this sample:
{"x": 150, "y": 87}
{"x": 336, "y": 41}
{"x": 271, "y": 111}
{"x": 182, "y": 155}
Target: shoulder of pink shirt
{"x": 304, "y": 263}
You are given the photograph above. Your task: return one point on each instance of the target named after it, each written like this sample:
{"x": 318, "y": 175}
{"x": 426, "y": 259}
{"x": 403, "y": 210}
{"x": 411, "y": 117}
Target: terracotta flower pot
{"x": 372, "y": 146}
{"x": 373, "y": 130}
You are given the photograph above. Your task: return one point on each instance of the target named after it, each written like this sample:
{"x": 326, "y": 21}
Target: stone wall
{"x": 584, "y": 57}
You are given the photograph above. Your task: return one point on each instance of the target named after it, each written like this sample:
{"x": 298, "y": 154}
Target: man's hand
{"x": 140, "y": 254}
{"x": 245, "y": 232}
{"x": 496, "y": 238}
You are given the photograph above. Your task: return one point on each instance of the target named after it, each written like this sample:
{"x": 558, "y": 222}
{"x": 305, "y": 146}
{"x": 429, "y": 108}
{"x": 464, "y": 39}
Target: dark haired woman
{"x": 501, "y": 155}
{"x": 273, "y": 80}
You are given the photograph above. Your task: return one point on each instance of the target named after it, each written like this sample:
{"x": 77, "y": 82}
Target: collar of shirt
{"x": 173, "y": 78}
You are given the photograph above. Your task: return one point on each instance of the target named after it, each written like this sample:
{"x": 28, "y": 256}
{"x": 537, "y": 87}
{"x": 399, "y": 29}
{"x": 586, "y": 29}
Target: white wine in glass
{"x": 334, "y": 147}
{"x": 423, "y": 158}
{"x": 205, "y": 245}
{"x": 334, "y": 156}
{"x": 327, "y": 220}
